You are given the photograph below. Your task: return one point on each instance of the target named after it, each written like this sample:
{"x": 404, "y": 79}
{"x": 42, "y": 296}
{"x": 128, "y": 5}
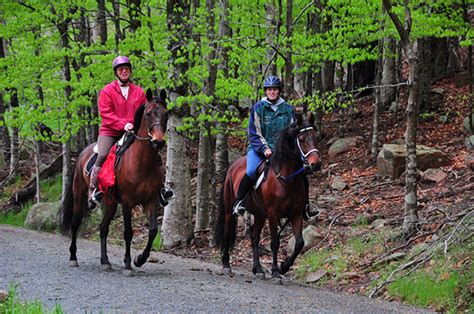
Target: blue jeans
{"x": 253, "y": 161}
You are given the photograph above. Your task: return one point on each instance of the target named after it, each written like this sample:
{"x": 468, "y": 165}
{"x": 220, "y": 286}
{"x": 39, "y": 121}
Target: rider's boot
{"x": 93, "y": 194}
{"x": 166, "y": 193}
{"x": 244, "y": 187}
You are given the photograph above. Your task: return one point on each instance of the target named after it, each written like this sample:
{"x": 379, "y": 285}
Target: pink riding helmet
{"x": 121, "y": 60}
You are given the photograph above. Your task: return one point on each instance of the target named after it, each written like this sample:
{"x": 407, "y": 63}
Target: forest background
{"x": 212, "y": 56}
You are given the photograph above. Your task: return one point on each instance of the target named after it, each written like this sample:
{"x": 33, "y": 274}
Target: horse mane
{"x": 138, "y": 118}
{"x": 286, "y": 148}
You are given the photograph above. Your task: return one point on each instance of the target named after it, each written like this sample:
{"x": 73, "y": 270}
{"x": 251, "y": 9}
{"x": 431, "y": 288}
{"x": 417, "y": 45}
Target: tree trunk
{"x": 411, "y": 203}
{"x": 101, "y": 21}
{"x": 425, "y": 73}
{"x": 62, "y": 28}
{"x": 14, "y": 140}
{"x": 471, "y": 103}
{"x": 177, "y": 228}
{"x": 221, "y": 155}
{"x": 454, "y": 63}
{"x": 388, "y": 93}
{"x": 377, "y": 104}
{"x": 289, "y": 86}
{"x": 134, "y": 12}
{"x": 177, "y": 225}
{"x": 205, "y": 151}
{"x": 271, "y": 35}
{"x": 116, "y": 19}
{"x": 202, "y": 189}
{"x": 5, "y": 139}
{"x": 327, "y": 70}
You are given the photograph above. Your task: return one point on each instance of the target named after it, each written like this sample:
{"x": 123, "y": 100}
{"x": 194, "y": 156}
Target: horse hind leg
{"x": 78, "y": 214}
{"x": 104, "y": 232}
{"x": 229, "y": 238}
{"x": 152, "y": 232}
{"x": 127, "y": 235}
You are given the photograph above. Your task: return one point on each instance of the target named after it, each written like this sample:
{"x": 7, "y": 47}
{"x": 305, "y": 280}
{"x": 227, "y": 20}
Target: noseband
{"x": 306, "y": 166}
{"x": 155, "y": 144}
{"x": 303, "y": 155}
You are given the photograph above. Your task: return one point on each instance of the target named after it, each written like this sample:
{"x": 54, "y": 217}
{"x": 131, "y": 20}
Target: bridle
{"x": 303, "y": 155}
{"x": 150, "y": 136}
{"x": 306, "y": 166}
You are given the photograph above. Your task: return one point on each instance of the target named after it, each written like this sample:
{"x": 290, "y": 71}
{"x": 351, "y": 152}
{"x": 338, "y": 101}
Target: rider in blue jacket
{"x": 267, "y": 117}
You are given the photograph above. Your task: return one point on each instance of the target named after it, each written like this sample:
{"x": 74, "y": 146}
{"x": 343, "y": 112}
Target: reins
{"x": 149, "y": 138}
{"x": 303, "y": 156}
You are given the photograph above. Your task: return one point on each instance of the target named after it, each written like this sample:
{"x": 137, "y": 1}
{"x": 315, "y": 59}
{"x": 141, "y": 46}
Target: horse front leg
{"x": 104, "y": 232}
{"x": 256, "y": 231}
{"x": 297, "y": 226}
{"x": 152, "y": 232}
{"x": 127, "y": 236}
{"x": 275, "y": 245}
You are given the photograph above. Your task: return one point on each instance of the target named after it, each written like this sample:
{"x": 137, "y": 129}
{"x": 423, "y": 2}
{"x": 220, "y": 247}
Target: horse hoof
{"x": 227, "y": 271}
{"x": 73, "y": 264}
{"x": 260, "y": 276}
{"x": 136, "y": 262}
{"x": 277, "y": 280}
{"x": 106, "y": 267}
{"x": 128, "y": 272}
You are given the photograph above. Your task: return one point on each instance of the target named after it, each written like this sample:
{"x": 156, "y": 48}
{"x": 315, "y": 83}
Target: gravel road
{"x": 38, "y": 262}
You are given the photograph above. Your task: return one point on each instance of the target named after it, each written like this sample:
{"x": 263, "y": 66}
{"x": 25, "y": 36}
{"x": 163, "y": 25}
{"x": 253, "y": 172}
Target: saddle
{"x": 262, "y": 171}
{"x": 120, "y": 147}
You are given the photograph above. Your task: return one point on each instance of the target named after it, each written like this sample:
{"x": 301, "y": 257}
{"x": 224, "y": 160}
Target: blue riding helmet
{"x": 272, "y": 81}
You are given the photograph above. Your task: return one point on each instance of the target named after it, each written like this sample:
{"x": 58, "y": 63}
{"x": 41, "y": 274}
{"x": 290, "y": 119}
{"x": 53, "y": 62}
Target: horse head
{"x": 155, "y": 117}
{"x": 306, "y": 142}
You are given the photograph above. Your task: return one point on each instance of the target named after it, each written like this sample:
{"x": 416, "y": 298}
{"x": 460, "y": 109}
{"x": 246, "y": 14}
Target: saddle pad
{"x": 259, "y": 180}
{"x": 91, "y": 163}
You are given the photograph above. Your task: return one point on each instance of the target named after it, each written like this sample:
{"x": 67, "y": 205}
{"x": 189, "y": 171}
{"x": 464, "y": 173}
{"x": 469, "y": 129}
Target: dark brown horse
{"x": 281, "y": 195}
{"x": 139, "y": 179}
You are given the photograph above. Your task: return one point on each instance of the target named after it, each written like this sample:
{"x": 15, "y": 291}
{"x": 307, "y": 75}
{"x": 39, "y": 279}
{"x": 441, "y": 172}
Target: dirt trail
{"x": 38, "y": 262}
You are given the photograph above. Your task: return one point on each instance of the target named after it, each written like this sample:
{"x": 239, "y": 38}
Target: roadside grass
{"x": 156, "y": 246}
{"x": 16, "y": 218}
{"x": 51, "y": 189}
{"x": 445, "y": 283}
{"x": 12, "y": 304}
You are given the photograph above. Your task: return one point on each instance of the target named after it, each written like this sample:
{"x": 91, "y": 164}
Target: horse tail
{"x": 67, "y": 207}
{"x": 226, "y": 227}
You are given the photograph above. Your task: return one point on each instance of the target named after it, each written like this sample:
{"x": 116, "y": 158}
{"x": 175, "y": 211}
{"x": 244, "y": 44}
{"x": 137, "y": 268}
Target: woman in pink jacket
{"x": 118, "y": 102}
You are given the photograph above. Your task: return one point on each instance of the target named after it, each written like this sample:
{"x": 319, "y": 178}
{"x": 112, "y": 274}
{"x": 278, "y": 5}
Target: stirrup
{"x": 307, "y": 214}
{"x": 94, "y": 197}
{"x": 239, "y": 208}
{"x": 166, "y": 193}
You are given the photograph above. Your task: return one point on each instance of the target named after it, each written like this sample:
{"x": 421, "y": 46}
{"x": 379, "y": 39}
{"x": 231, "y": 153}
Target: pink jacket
{"x": 115, "y": 110}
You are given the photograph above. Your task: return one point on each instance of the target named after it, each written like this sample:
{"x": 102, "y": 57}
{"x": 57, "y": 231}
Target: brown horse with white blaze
{"x": 281, "y": 195}
{"x": 138, "y": 181}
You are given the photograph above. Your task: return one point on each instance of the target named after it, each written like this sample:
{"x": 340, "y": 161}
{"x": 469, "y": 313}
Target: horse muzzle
{"x": 158, "y": 144}
{"x": 311, "y": 167}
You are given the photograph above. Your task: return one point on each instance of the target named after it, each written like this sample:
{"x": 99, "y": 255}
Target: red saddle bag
{"x": 106, "y": 178}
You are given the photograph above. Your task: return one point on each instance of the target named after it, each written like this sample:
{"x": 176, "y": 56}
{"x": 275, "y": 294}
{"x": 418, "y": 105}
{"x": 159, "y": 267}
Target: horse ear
{"x": 149, "y": 95}
{"x": 299, "y": 115}
{"x": 310, "y": 117}
{"x": 163, "y": 95}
